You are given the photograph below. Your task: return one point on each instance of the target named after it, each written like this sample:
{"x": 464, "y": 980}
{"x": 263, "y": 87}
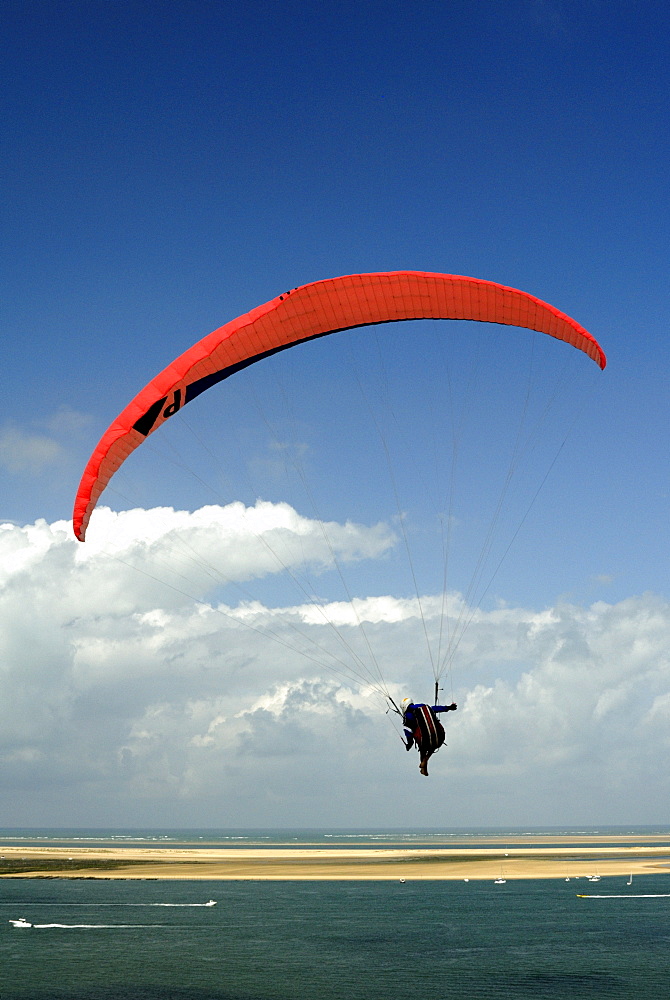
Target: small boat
{"x": 500, "y": 881}
{"x": 21, "y": 922}
{"x": 630, "y": 880}
{"x": 210, "y": 902}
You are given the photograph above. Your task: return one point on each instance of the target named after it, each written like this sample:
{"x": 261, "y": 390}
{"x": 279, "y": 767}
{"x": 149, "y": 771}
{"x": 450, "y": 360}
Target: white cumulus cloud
{"x": 126, "y": 701}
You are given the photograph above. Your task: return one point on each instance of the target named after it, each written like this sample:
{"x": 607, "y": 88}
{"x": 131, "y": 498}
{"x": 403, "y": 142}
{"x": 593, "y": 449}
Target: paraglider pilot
{"x": 423, "y": 728}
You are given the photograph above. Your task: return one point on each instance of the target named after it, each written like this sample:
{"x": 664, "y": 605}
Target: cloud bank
{"x": 136, "y": 687}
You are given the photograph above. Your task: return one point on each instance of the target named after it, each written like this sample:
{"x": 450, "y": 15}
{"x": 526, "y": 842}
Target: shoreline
{"x": 523, "y": 858}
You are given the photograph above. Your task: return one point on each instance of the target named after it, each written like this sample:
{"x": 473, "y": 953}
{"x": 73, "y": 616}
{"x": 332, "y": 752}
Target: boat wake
{"x": 22, "y": 922}
{"x": 86, "y": 927}
{"x": 211, "y": 902}
{"x": 625, "y": 895}
{"x": 95, "y": 927}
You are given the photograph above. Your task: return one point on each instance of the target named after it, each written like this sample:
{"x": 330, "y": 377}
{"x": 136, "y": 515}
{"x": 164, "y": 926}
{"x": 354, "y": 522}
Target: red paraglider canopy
{"x": 305, "y": 313}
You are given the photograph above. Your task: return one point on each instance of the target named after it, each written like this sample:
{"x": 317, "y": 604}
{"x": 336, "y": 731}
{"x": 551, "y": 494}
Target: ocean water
{"x": 415, "y": 837}
{"x": 148, "y": 939}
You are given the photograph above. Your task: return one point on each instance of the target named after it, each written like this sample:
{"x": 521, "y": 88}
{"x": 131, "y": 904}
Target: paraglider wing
{"x": 306, "y": 313}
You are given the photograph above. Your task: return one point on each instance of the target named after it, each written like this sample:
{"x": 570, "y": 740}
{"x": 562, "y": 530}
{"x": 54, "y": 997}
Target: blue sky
{"x": 168, "y": 166}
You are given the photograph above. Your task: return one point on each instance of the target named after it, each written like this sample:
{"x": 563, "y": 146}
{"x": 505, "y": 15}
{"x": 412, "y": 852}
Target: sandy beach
{"x": 486, "y": 858}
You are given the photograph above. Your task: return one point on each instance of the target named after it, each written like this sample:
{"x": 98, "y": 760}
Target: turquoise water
{"x": 118, "y": 940}
{"x": 194, "y": 838}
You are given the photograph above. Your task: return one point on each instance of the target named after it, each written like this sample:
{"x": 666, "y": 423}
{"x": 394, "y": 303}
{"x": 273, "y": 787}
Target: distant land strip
{"x": 564, "y": 859}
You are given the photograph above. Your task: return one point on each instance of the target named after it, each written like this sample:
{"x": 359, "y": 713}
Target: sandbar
{"x": 483, "y": 858}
